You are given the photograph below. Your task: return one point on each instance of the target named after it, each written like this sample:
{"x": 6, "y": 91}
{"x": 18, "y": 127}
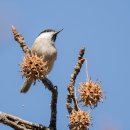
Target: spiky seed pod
{"x": 90, "y": 93}
{"x": 79, "y": 120}
{"x": 33, "y": 67}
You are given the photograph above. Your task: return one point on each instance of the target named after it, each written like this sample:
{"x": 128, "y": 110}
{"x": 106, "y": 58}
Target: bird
{"x": 43, "y": 46}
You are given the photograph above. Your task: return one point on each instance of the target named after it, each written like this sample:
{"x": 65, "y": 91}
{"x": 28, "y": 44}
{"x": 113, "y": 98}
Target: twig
{"x": 54, "y": 97}
{"x": 18, "y": 123}
{"x": 20, "y": 39}
{"x": 70, "y": 87}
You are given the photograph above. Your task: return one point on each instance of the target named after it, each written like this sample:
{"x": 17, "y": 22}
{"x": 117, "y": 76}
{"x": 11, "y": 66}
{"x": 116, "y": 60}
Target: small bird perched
{"x": 43, "y": 46}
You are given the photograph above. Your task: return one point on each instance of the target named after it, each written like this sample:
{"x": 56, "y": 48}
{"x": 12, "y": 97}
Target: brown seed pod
{"x": 79, "y": 120}
{"x": 33, "y": 67}
{"x": 90, "y": 93}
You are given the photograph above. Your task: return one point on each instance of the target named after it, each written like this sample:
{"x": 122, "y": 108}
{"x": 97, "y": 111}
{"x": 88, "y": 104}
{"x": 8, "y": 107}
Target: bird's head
{"x": 49, "y": 34}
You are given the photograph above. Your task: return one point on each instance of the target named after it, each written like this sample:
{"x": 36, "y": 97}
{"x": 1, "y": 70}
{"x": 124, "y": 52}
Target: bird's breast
{"x": 48, "y": 52}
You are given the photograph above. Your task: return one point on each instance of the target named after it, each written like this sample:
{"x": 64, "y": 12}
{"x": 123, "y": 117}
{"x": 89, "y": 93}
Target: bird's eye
{"x": 54, "y": 38}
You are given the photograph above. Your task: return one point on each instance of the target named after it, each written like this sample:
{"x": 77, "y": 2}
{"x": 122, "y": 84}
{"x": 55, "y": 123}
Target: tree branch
{"x": 19, "y": 124}
{"x": 70, "y": 87}
{"x": 54, "y": 97}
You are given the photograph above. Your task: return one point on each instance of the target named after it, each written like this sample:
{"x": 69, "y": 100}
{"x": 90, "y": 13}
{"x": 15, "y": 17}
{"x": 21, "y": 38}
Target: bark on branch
{"x": 18, "y": 123}
{"x": 54, "y": 97}
{"x": 71, "y": 93}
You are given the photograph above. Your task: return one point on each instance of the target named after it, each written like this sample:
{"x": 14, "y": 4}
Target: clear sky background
{"x": 101, "y": 26}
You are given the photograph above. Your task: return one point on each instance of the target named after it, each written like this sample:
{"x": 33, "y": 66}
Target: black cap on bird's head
{"x": 48, "y": 30}
{"x": 53, "y": 31}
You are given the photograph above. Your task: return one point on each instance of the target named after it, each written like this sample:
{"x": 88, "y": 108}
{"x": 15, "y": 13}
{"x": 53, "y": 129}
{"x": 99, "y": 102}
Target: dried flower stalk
{"x": 20, "y": 39}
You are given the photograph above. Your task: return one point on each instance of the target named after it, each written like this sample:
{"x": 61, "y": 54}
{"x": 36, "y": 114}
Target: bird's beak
{"x": 59, "y": 31}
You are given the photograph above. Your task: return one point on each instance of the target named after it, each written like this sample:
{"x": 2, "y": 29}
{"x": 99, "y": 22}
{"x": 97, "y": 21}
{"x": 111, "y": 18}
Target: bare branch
{"x": 19, "y": 124}
{"x": 70, "y": 88}
{"x": 54, "y": 97}
{"x": 20, "y": 39}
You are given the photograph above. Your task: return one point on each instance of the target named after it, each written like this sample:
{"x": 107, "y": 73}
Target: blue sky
{"x": 102, "y": 27}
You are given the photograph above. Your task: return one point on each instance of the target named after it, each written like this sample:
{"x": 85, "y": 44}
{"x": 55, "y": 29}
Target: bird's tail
{"x": 25, "y": 87}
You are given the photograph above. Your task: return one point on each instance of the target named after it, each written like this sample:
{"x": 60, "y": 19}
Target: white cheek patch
{"x": 45, "y": 35}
